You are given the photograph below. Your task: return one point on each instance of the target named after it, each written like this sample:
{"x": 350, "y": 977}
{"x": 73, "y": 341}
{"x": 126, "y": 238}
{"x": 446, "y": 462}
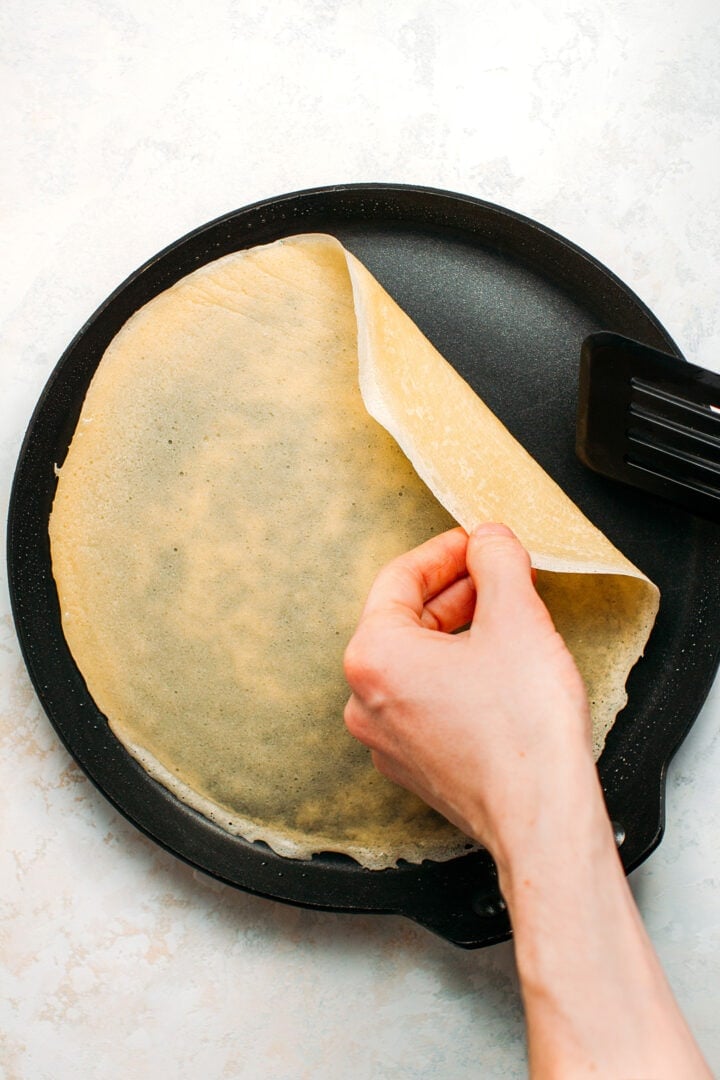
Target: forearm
{"x": 491, "y": 727}
{"x": 596, "y": 1000}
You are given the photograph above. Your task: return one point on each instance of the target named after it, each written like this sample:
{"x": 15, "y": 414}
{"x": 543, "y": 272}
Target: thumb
{"x": 500, "y": 570}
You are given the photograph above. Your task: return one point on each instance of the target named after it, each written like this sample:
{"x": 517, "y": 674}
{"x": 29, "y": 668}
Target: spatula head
{"x": 651, "y": 420}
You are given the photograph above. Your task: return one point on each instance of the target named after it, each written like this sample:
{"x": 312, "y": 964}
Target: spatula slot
{"x": 689, "y": 486}
{"x": 676, "y": 453}
{"x": 655, "y": 401}
{"x": 674, "y": 431}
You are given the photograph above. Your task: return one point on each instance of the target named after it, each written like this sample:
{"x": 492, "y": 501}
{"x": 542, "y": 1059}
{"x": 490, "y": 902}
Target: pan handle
{"x": 463, "y": 903}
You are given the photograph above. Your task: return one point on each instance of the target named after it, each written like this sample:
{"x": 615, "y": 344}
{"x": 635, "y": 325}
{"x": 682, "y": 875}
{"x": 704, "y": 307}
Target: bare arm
{"x": 491, "y": 727}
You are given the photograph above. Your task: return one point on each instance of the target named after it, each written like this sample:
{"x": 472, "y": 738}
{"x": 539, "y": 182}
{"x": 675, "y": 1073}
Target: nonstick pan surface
{"x": 508, "y": 303}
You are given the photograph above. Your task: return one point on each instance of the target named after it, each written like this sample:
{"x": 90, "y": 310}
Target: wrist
{"x": 585, "y": 962}
{"x": 563, "y": 824}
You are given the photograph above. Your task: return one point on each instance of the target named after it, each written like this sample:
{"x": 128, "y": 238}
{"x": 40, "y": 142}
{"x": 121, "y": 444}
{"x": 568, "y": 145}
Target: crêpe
{"x": 256, "y": 443}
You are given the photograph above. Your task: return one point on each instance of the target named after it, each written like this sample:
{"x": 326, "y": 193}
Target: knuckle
{"x": 355, "y": 720}
{"x": 362, "y": 658}
{"x": 368, "y": 670}
{"x": 361, "y": 723}
{"x": 355, "y": 661}
{"x": 383, "y": 764}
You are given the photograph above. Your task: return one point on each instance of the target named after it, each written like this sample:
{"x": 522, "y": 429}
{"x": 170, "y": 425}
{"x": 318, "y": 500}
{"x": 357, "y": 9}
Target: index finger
{"x": 404, "y": 586}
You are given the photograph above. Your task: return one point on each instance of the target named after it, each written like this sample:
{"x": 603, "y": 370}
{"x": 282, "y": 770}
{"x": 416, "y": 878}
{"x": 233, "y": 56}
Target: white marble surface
{"x": 125, "y": 124}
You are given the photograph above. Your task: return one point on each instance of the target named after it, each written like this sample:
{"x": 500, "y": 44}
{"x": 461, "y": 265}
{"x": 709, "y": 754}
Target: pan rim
{"x": 441, "y": 209}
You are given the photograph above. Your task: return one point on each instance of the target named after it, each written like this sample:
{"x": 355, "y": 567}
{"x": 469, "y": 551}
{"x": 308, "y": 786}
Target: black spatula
{"x": 650, "y": 420}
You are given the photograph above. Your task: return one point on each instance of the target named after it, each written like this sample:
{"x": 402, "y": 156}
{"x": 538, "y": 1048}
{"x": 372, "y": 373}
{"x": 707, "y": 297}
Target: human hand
{"x": 490, "y": 726}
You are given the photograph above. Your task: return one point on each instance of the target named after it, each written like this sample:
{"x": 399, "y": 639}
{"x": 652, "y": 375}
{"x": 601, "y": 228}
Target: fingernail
{"x": 492, "y": 528}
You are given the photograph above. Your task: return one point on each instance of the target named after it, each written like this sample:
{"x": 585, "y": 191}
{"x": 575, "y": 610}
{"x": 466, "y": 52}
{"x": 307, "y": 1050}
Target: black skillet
{"x": 508, "y": 303}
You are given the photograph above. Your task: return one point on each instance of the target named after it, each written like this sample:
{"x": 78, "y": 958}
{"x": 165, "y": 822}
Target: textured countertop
{"x": 124, "y": 126}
